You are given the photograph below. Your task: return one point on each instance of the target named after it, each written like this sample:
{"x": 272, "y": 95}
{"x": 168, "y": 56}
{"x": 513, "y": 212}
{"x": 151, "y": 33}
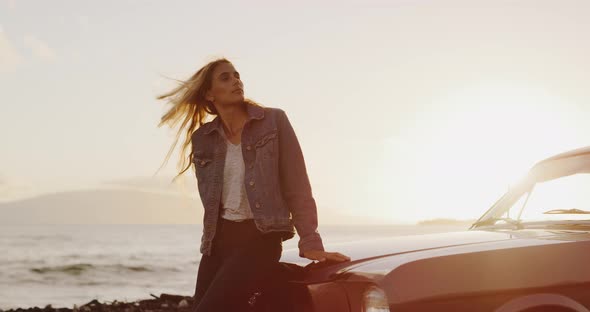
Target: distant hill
{"x": 126, "y": 206}
{"x": 118, "y": 206}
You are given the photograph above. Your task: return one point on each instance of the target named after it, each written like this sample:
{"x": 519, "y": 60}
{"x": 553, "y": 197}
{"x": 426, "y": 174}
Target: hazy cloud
{"x": 83, "y": 21}
{"x": 39, "y": 48}
{"x": 10, "y": 58}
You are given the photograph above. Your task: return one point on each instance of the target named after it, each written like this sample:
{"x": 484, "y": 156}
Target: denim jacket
{"x": 276, "y": 180}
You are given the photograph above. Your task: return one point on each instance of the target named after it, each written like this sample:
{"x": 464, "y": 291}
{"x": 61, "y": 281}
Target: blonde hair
{"x": 190, "y": 106}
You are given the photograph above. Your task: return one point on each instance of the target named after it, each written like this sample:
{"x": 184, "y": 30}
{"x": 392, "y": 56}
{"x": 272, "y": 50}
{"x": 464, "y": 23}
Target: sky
{"x": 405, "y": 110}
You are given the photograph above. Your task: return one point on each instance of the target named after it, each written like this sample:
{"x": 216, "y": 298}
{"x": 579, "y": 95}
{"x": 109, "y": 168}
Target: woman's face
{"x": 226, "y": 87}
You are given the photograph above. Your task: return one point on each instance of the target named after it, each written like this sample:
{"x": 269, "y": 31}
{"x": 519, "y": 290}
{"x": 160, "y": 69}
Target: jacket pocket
{"x": 202, "y": 165}
{"x": 268, "y": 137}
{"x": 265, "y": 146}
{"x": 201, "y": 162}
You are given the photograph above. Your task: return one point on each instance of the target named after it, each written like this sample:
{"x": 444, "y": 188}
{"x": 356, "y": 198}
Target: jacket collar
{"x": 254, "y": 112}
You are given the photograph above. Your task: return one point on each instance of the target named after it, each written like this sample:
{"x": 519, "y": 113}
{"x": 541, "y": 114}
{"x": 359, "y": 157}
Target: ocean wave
{"x": 81, "y": 268}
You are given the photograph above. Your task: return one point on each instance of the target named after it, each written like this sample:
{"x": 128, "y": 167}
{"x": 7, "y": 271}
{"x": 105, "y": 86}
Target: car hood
{"x": 381, "y": 255}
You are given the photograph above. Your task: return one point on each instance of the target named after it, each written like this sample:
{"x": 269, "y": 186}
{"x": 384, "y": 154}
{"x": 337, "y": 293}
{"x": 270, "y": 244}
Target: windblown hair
{"x": 190, "y": 107}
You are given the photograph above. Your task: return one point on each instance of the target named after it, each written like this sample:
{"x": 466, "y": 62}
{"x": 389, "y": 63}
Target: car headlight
{"x": 375, "y": 300}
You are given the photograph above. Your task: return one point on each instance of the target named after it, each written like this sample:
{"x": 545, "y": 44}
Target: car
{"x": 529, "y": 252}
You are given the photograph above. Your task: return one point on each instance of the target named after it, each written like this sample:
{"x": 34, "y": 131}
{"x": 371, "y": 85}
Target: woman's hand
{"x": 322, "y": 256}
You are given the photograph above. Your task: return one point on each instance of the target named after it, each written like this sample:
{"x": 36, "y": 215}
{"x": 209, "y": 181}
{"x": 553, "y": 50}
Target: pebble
{"x": 182, "y": 304}
{"x": 164, "y": 303}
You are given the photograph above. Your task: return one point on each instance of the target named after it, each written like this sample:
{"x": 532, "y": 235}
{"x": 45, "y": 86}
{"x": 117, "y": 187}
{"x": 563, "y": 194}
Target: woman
{"x": 251, "y": 178}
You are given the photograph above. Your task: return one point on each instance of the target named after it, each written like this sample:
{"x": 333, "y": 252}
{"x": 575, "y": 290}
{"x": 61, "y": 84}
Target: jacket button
{"x": 251, "y": 182}
{"x": 202, "y": 162}
{"x": 251, "y": 166}
{"x": 248, "y": 147}
{"x": 257, "y": 205}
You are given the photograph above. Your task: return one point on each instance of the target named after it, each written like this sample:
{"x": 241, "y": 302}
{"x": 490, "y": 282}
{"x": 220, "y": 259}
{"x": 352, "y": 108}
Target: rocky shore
{"x": 163, "y": 303}
{"x": 275, "y": 297}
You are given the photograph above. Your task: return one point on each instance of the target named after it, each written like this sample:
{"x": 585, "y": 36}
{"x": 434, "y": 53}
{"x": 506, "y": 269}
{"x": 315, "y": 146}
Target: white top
{"x": 234, "y": 199}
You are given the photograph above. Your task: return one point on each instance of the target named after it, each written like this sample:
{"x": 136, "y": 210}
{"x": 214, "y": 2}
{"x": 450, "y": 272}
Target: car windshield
{"x": 555, "y": 192}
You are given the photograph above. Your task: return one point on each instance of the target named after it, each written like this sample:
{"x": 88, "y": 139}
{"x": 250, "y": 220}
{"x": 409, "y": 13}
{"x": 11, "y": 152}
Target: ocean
{"x": 63, "y": 265}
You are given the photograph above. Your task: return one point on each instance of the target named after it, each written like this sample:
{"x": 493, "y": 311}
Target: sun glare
{"x": 475, "y": 142}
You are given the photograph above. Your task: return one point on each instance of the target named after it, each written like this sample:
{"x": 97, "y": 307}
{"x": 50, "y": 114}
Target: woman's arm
{"x": 296, "y": 188}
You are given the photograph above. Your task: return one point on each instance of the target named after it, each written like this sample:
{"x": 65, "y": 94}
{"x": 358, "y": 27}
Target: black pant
{"x": 240, "y": 266}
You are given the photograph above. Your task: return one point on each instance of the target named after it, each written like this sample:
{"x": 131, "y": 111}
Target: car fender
{"x": 540, "y": 300}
